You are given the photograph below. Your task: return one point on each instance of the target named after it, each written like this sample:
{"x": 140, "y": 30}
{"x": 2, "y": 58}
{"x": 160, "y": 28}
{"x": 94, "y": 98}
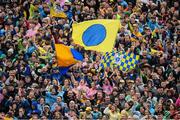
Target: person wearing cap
{"x": 46, "y": 111}
{"x": 87, "y": 114}
{"x": 96, "y": 114}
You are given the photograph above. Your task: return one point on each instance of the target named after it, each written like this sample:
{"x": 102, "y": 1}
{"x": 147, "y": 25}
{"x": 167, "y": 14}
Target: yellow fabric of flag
{"x": 98, "y": 35}
{"x": 53, "y": 13}
{"x": 32, "y": 10}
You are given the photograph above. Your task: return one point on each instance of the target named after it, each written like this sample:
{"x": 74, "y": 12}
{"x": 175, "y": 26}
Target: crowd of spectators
{"x": 32, "y": 87}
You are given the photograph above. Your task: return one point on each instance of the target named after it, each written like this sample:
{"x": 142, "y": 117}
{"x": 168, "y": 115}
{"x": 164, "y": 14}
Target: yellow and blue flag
{"x": 54, "y": 13}
{"x": 98, "y": 35}
{"x": 122, "y": 60}
{"x": 67, "y": 56}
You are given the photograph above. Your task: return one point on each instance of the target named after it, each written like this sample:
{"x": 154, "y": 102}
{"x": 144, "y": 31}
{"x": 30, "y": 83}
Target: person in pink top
{"x": 91, "y": 92}
{"x": 82, "y": 86}
{"x": 33, "y": 30}
{"x": 178, "y": 101}
{"x": 107, "y": 87}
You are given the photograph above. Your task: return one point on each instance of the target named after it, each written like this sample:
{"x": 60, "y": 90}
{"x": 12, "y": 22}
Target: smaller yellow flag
{"x": 153, "y": 51}
{"x": 32, "y": 10}
{"x": 53, "y": 13}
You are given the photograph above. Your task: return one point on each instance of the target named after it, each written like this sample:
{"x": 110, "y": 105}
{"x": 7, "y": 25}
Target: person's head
{"x": 146, "y": 112}
{"x": 54, "y": 82}
{"x": 95, "y": 77}
{"x": 121, "y": 96}
{"x": 106, "y": 81}
{"x": 42, "y": 101}
{"x": 142, "y": 110}
{"x": 132, "y": 92}
{"x": 70, "y": 93}
{"x": 4, "y": 91}
{"x": 160, "y": 90}
{"x": 46, "y": 81}
{"x": 17, "y": 98}
{"x": 59, "y": 99}
{"x": 127, "y": 38}
{"x": 172, "y": 107}
{"x": 176, "y": 4}
{"x": 121, "y": 83}
{"x": 66, "y": 7}
{"x": 10, "y": 113}
{"x": 126, "y": 105}
{"x": 85, "y": 70}
{"x": 54, "y": 91}
{"x": 35, "y": 117}
{"x": 177, "y": 116}
{"x": 113, "y": 108}
{"x": 66, "y": 82}
{"x": 159, "y": 107}
{"x": 61, "y": 32}
{"x": 46, "y": 108}
{"x": 11, "y": 88}
{"x": 160, "y": 117}
{"x": 10, "y": 52}
{"x": 88, "y": 103}
{"x": 72, "y": 113}
{"x": 132, "y": 20}
{"x": 115, "y": 92}
{"x": 76, "y": 84}
{"x": 53, "y": 60}
{"x": 14, "y": 106}
{"x": 138, "y": 80}
{"x": 57, "y": 107}
{"x": 27, "y": 79}
{"x": 82, "y": 82}
{"x": 124, "y": 115}
{"x": 116, "y": 101}
{"x": 107, "y": 99}
{"x": 72, "y": 105}
{"x": 21, "y": 112}
{"x": 93, "y": 85}
{"x": 44, "y": 117}
{"x": 150, "y": 83}
{"x": 95, "y": 108}
{"x": 99, "y": 95}
{"x": 175, "y": 65}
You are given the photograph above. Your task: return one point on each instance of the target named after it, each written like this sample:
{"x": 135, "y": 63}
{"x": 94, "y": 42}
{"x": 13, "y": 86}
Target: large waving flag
{"x": 96, "y": 35}
{"x": 67, "y": 56}
{"x": 122, "y": 60}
